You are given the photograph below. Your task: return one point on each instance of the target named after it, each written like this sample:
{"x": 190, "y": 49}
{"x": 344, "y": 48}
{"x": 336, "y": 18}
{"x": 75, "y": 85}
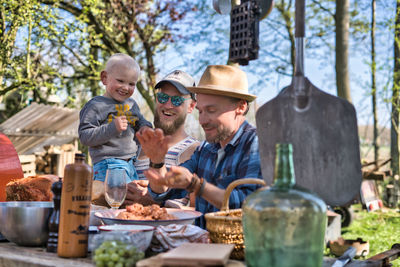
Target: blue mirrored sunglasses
{"x": 176, "y": 100}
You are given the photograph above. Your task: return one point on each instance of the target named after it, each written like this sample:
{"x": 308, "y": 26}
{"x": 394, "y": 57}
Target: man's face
{"x": 169, "y": 117}
{"x": 120, "y": 82}
{"x": 217, "y": 116}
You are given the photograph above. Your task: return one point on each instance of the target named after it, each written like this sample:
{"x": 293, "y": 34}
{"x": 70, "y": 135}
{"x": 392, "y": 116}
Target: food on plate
{"x": 32, "y": 188}
{"x": 139, "y": 212}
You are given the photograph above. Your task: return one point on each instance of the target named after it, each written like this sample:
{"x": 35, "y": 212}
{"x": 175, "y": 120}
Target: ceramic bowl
{"x": 182, "y": 217}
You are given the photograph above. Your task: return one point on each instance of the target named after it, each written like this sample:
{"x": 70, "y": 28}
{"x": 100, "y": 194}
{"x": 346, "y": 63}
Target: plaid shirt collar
{"x": 214, "y": 147}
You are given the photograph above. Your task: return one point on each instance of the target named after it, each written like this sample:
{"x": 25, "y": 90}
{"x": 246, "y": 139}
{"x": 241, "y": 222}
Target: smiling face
{"x": 220, "y": 117}
{"x": 169, "y": 117}
{"x": 120, "y": 82}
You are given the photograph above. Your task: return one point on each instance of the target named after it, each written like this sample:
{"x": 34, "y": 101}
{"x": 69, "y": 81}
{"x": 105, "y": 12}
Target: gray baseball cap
{"x": 180, "y": 80}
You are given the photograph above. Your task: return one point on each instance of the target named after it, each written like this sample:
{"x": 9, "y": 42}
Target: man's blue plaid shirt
{"x": 241, "y": 160}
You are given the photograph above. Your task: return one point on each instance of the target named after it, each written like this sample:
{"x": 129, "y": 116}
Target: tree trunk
{"x": 342, "y": 23}
{"x": 394, "y": 136}
{"x": 373, "y": 80}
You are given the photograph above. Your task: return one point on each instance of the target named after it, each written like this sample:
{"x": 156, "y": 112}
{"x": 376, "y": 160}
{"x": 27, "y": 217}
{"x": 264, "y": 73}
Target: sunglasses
{"x": 176, "y": 100}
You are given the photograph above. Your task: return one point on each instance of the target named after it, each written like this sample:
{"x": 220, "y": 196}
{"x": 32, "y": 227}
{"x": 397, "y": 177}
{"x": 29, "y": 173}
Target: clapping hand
{"x": 154, "y": 143}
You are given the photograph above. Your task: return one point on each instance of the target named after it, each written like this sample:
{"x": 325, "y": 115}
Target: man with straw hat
{"x": 230, "y": 153}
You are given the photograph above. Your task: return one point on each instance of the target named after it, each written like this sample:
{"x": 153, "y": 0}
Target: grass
{"x": 380, "y": 228}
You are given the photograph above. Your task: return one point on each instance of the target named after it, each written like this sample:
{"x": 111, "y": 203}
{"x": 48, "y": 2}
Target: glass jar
{"x": 284, "y": 225}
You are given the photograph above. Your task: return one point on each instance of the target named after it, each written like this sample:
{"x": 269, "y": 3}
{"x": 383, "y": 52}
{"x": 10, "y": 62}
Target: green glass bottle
{"x": 284, "y": 225}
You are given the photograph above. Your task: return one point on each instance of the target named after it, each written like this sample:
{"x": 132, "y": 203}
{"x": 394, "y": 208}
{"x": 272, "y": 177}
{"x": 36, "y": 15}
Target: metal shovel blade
{"x": 325, "y": 142}
{"x": 322, "y": 129}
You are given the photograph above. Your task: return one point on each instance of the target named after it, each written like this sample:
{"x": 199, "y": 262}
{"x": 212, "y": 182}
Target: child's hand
{"x": 121, "y": 123}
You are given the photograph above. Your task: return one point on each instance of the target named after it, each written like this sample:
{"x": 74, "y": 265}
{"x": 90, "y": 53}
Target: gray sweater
{"x": 97, "y": 129}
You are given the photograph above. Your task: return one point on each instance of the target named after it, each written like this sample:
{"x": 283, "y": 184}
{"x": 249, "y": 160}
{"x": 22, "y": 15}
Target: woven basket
{"x": 225, "y": 226}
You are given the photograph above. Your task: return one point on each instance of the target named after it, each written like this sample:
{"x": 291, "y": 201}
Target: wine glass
{"x": 115, "y": 187}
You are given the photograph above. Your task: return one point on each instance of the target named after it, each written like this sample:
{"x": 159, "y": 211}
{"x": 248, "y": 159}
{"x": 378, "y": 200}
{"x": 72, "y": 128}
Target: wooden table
{"x": 12, "y": 255}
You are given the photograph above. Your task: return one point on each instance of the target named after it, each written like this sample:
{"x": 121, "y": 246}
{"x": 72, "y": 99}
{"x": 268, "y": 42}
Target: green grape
{"x": 130, "y": 262}
{"x": 114, "y": 257}
{"x": 106, "y": 244}
{"x": 106, "y": 257}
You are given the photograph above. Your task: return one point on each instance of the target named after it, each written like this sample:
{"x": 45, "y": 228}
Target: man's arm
{"x": 155, "y": 145}
{"x": 212, "y": 194}
{"x": 182, "y": 178}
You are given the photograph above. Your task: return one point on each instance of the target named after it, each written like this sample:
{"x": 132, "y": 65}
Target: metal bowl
{"x": 25, "y": 223}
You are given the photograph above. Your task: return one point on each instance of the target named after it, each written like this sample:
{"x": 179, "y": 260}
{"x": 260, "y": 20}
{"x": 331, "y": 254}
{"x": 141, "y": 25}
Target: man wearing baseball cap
{"x": 173, "y": 103}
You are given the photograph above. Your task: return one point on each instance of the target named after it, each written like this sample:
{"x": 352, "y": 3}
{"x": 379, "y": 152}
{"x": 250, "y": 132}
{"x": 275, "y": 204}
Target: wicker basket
{"x": 225, "y": 226}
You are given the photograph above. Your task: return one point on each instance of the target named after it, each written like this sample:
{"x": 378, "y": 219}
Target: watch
{"x": 156, "y": 165}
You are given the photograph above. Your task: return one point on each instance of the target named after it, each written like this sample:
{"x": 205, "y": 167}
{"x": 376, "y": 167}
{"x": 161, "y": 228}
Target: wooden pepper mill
{"x": 54, "y": 220}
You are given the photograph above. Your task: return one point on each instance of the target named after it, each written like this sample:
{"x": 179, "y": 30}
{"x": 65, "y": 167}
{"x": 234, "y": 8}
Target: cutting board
{"x": 198, "y": 254}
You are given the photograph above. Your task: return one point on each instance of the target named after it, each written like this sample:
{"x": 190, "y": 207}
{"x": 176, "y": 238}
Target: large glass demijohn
{"x": 284, "y": 225}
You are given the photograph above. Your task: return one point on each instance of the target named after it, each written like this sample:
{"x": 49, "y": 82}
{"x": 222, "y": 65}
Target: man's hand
{"x": 154, "y": 143}
{"x": 121, "y": 123}
{"x": 138, "y": 193}
{"x": 176, "y": 177}
{"x": 141, "y": 129}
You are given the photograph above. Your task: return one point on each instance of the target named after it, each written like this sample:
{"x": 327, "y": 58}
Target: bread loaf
{"x": 32, "y": 188}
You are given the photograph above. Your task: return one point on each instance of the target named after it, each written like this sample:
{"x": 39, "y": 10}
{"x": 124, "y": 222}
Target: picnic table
{"x": 12, "y": 255}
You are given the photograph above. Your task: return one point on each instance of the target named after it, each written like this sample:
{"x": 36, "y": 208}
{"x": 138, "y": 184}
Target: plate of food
{"x": 148, "y": 215}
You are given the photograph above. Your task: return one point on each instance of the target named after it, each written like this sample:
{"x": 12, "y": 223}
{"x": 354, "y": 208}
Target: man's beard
{"x": 169, "y": 128}
{"x": 223, "y": 133}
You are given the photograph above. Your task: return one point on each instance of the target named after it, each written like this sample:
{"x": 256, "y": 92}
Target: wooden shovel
{"x": 322, "y": 129}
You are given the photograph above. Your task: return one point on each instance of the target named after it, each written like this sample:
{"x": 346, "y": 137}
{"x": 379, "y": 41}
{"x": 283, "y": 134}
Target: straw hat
{"x": 223, "y": 80}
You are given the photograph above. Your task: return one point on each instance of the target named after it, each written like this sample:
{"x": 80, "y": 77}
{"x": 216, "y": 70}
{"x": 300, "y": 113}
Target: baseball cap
{"x": 180, "y": 80}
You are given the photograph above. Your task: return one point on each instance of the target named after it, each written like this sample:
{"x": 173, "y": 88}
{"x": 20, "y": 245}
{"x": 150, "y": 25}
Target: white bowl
{"x": 140, "y": 235}
{"x": 182, "y": 217}
{"x": 127, "y": 227}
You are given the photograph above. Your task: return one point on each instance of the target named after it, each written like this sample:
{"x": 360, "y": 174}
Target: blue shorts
{"x": 100, "y": 168}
